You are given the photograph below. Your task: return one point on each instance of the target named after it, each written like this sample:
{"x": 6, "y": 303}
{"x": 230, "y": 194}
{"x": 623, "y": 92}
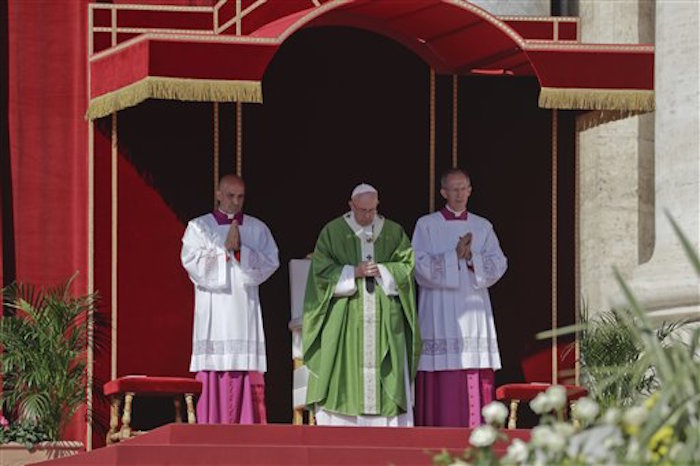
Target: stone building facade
{"x": 634, "y": 172}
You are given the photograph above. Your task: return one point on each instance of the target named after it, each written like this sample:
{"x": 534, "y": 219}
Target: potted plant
{"x": 44, "y": 336}
{"x": 612, "y": 359}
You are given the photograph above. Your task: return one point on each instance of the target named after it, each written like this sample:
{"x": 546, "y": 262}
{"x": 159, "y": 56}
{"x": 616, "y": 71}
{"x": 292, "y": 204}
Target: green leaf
{"x": 44, "y": 337}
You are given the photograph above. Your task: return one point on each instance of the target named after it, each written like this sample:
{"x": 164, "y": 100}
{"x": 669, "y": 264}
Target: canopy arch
{"x": 226, "y": 63}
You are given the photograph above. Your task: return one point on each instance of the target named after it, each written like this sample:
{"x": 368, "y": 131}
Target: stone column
{"x": 515, "y": 7}
{"x": 667, "y": 285}
{"x": 615, "y": 166}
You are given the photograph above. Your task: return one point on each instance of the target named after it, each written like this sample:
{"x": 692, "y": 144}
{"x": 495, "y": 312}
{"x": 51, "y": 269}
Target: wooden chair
{"x": 535, "y": 369}
{"x": 124, "y": 389}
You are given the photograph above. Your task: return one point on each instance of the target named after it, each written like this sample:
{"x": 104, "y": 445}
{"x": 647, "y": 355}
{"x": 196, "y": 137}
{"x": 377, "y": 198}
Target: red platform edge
{"x": 183, "y": 444}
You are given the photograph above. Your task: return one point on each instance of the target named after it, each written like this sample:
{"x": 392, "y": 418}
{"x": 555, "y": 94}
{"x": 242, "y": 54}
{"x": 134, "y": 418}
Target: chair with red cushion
{"x": 538, "y": 367}
{"x": 125, "y": 388}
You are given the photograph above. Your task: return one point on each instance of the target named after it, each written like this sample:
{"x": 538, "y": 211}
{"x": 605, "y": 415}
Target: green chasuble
{"x": 355, "y": 347}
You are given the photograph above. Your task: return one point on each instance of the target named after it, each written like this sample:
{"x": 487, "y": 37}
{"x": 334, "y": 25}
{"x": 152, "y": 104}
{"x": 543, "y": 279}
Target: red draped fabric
{"x": 48, "y": 139}
{"x": 6, "y": 267}
{"x": 48, "y": 143}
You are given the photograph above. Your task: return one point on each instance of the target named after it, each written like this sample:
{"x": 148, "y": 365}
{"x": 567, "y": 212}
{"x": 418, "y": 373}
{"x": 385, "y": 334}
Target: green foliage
{"x": 676, "y": 404}
{"x": 26, "y": 433}
{"x": 612, "y": 360}
{"x": 44, "y": 334}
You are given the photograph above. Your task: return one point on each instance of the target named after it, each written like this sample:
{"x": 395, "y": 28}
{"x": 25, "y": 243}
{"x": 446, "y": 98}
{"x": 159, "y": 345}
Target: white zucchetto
{"x": 362, "y": 189}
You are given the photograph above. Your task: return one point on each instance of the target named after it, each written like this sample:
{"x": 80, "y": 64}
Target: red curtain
{"x": 48, "y": 139}
{"x": 6, "y": 266}
{"x": 48, "y": 147}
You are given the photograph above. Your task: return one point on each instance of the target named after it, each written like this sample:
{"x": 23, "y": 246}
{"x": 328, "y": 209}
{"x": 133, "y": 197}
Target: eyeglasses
{"x": 465, "y": 188}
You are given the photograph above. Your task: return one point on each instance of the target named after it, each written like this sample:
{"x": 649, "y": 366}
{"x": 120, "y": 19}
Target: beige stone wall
{"x": 632, "y": 171}
{"x": 609, "y": 213}
{"x": 617, "y": 21}
{"x": 515, "y": 7}
{"x": 615, "y": 167}
{"x": 667, "y": 285}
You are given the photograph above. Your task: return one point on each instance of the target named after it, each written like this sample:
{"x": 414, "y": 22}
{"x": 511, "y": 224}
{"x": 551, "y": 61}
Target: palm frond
{"x": 45, "y": 341}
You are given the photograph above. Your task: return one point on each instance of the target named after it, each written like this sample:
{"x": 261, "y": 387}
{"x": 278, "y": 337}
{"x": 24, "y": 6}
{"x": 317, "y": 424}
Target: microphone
{"x": 369, "y": 281}
{"x": 369, "y": 284}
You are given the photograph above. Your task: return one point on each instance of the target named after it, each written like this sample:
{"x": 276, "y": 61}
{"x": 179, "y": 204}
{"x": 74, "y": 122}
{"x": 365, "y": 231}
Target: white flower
{"x": 539, "y": 436}
{"x": 564, "y": 428}
{"x": 635, "y": 416}
{"x": 556, "y": 443}
{"x": 632, "y": 449}
{"x": 557, "y": 396}
{"x": 615, "y": 440}
{"x": 676, "y": 449}
{"x": 597, "y": 444}
{"x": 546, "y": 438}
{"x": 612, "y": 416}
{"x": 495, "y": 413}
{"x": 541, "y": 404}
{"x": 585, "y": 410}
{"x": 483, "y": 436}
{"x": 517, "y": 452}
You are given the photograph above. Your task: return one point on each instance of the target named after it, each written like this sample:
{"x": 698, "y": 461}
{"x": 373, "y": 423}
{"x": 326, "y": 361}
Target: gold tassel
{"x": 193, "y": 90}
{"x": 624, "y": 100}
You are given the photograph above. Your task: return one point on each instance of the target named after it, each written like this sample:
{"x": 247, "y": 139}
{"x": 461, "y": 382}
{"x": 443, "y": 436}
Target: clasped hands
{"x": 464, "y": 247}
{"x": 366, "y": 269}
{"x": 233, "y": 238}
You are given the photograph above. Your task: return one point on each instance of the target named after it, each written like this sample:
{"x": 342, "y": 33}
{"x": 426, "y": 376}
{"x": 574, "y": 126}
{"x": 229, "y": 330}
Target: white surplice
{"x": 454, "y": 308}
{"x": 228, "y": 330}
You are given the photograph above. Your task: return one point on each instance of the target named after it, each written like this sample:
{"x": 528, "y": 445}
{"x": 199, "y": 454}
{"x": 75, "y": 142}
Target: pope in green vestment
{"x": 361, "y": 340}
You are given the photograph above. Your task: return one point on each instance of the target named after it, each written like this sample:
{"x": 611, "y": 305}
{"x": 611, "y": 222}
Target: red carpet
{"x": 182, "y": 444}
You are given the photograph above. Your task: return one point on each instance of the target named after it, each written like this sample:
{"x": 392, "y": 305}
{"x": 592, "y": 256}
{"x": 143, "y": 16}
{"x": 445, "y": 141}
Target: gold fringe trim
{"x": 631, "y": 100}
{"x": 193, "y": 90}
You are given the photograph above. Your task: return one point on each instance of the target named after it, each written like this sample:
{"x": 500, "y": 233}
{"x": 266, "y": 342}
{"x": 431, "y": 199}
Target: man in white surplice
{"x": 458, "y": 258}
{"x": 227, "y": 255}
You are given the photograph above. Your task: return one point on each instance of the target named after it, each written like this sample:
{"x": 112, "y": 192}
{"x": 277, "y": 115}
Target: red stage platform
{"x": 182, "y": 444}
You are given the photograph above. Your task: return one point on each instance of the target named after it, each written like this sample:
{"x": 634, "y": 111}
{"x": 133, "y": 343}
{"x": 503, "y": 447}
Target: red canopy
{"x": 219, "y": 53}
